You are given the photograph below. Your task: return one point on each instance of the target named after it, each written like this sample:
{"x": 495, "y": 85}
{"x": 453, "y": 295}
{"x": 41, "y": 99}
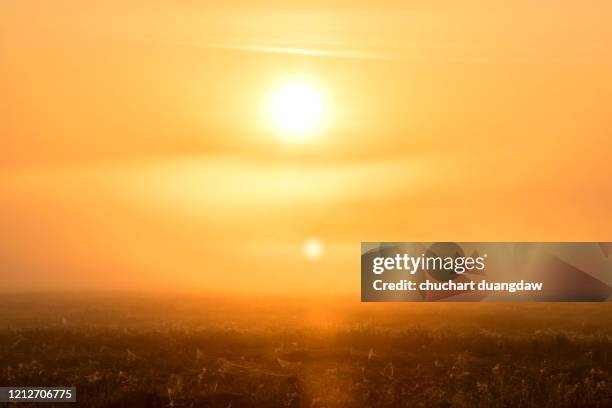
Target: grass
{"x": 140, "y": 351}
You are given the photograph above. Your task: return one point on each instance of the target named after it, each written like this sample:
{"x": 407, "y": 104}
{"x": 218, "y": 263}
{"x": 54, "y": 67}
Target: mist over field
{"x": 184, "y": 187}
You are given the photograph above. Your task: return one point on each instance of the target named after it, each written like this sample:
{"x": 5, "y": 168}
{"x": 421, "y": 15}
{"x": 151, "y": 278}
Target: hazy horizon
{"x": 139, "y": 150}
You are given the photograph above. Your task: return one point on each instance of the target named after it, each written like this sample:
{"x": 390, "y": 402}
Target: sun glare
{"x": 313, "y": 249}
{"x": 297, "y": 109}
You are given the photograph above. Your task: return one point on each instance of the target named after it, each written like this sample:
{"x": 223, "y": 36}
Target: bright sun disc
{"x": 297, "y": 108}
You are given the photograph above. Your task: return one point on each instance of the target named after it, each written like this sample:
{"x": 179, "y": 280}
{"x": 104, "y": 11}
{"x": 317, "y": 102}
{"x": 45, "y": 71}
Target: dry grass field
{"x": 181, "y": 351}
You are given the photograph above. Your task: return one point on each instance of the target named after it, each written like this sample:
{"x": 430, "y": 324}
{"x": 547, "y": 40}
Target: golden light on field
{"x": 297, "y": 109}
{"x": 313, "y": 249}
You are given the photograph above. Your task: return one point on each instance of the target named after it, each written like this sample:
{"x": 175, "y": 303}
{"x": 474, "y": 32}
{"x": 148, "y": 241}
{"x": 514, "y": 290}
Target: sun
{"x": 297, "y": 109}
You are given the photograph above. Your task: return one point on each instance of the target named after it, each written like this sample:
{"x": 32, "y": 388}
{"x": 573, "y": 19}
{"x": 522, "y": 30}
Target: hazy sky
{"x": 137, "y": 151}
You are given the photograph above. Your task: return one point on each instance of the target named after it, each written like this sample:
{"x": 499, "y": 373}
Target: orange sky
{"x": 135, "y": 153}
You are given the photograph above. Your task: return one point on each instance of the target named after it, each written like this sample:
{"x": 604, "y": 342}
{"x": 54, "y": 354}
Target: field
{"x": 187, "y": 351}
